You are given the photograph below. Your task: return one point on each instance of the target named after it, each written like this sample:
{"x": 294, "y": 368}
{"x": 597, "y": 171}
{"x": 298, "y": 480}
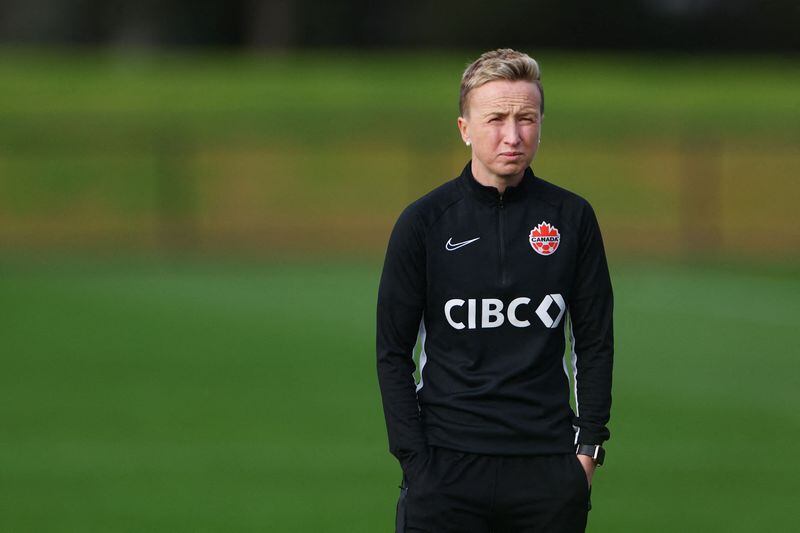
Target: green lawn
{"x": 210, "y": 397}
{"x": 107, "y": 149}
{"x": 201, "y": 396}
{"x": 142, "y": 101}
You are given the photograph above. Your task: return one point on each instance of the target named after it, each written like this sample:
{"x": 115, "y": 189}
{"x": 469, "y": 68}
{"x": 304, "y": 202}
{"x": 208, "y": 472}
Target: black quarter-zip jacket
{"x": 487, "y": 285}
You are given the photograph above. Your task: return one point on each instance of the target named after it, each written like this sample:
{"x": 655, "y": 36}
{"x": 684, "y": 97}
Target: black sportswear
{"x": 459, "y": 492}
{"x": 486, "y": 283}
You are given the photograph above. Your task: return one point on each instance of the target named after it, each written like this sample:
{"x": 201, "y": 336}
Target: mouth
{"x": 511, "y": 154}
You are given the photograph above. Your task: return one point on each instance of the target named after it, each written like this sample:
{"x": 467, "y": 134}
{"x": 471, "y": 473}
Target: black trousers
{"x": 451, "y": 491}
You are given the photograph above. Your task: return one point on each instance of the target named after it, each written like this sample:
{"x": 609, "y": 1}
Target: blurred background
{"x": 195, "y": 198}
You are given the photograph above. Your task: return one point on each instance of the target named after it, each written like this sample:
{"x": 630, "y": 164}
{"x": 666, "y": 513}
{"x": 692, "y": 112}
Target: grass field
{"x": 259, "y": 151}
{"x": 207, "y": 397}
{"x": 197, "y": 395}
{"x": 68, "y": 99}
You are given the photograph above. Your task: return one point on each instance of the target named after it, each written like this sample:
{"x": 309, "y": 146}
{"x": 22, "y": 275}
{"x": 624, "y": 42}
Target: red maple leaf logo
{"x": 544, "y": 230}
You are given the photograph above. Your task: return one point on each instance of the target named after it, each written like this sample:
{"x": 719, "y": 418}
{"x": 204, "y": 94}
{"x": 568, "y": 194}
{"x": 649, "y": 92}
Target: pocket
{"x": 580, "y": 468}
{"x": 585, "y": 480}
{"x": 400, "y": 517}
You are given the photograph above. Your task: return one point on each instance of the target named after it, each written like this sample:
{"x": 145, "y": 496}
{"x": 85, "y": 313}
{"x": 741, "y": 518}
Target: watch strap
{"x": 595, "y": 451}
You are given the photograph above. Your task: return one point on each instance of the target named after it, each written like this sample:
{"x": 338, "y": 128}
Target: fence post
{"x": 175, "y": 196}
{"x": 700, "y": 197}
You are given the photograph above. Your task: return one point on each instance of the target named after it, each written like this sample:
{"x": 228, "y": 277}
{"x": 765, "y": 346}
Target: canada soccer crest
{"x": 544, "y": 238}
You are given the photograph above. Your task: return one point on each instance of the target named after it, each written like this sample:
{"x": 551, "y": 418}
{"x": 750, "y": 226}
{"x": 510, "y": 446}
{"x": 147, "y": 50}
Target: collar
{"x": 489, "y": 194}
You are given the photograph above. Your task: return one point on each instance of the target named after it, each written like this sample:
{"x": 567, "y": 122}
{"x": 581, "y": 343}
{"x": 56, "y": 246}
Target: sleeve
{"x": 591, "y": 308}
{"x": 401, "y": 301}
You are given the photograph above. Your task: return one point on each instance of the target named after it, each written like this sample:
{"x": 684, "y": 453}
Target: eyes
{"x": 525, "y": 119}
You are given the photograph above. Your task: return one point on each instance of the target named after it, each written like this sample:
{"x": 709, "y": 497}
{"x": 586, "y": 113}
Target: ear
{"x": 463, "y": 128}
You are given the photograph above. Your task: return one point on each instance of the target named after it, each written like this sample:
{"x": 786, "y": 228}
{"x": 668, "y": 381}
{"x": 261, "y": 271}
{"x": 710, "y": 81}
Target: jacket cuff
{"x": 584, "y": 436}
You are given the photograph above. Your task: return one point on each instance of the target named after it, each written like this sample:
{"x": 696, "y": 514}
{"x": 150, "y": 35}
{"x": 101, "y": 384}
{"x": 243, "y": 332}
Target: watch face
{"x": 600, "y": 455}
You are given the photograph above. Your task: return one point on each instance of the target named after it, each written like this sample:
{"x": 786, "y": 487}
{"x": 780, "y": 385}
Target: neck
{"x": 483, "y": 176}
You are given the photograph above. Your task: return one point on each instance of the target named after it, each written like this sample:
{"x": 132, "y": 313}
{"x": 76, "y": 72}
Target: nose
{"x": 511, "y": 134}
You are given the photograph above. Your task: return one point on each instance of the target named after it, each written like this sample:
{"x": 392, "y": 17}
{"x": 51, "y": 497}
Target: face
{"x": 502, "y": 122}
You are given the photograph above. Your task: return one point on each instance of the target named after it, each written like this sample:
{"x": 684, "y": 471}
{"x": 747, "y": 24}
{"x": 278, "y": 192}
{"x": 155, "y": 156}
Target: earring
{"x": 467, "y": 143}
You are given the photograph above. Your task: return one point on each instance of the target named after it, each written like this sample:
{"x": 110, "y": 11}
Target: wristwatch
{"x": 595, "y": 451}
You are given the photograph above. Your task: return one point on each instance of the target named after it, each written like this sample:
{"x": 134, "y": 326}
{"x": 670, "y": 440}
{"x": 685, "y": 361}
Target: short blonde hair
{"x": 500, "y": 64}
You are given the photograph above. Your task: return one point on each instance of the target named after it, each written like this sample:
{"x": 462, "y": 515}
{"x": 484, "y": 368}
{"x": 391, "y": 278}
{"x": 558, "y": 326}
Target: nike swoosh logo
{"x": 450, "y": 245}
